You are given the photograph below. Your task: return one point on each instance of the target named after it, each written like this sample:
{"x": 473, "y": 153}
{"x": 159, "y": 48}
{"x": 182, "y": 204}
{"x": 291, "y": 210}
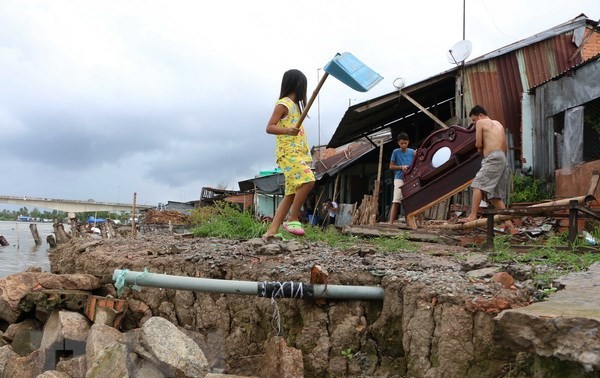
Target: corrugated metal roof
{"x": 570, "y": 25}
{"x": 570, "y": 69}
{"x": 332, "y": 165}
{"x": 495, "y": 80}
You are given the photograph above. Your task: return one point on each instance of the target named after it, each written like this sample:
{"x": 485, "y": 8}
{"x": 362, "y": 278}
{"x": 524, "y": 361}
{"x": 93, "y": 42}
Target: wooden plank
{"x": 410, "y": 218}
{"x": 593, "y": 183}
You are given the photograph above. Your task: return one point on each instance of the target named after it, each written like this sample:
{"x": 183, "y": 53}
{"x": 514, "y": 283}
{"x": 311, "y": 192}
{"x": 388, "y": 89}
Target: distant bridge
{"x": 71, "y": 206}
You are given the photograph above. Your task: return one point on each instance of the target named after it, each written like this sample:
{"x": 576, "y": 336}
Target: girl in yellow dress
{"x": 292, "y": 152}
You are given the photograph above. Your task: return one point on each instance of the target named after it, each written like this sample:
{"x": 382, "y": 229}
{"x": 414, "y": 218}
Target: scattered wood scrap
{"x": 166, "y": 217}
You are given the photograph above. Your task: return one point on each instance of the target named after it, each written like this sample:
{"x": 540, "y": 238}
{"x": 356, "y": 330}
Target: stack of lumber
{"x": 363, "y": 214}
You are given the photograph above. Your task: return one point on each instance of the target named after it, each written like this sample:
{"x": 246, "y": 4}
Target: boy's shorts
{"x": 397, "y": 191}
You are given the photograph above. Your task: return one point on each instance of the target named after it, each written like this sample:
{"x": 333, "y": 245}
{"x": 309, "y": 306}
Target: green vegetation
{"x": 528, "y": 189}
{"x": 393, "y": 244}
{"x": 6, "y": 215}
{"x": 547, "y": 261}
{"x": 347, "y": 353}
{"x": 225, "y": 220}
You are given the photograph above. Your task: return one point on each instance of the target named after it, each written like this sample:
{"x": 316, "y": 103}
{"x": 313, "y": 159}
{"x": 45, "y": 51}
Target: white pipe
{"x": 263, "y": 289}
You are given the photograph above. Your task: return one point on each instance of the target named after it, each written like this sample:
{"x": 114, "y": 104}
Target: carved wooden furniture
{"x": 445, "y": 164}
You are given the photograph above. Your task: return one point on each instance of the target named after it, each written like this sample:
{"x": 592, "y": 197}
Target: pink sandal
{"x": 294, "y": 228}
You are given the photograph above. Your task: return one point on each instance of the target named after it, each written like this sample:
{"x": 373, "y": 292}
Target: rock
{"x": 6, "y": 353}
{"x": 23, "y": 367}
{"x": 14, "y": 287}
{"x": 565, "y": 326}
{"x": 110, "y": 363}
{"x": 482, "y": 273}
{"x": 100, "y": 337}
{"x": 54, "y": 374}
{"x": 74, "y": 367}
{"x": 184, "y": 307}
{"x": 25, "y": 337}
{"x": 281, "y": 360}
{"x": 269, "y": 249}
{"x": 140, "y": 312}
{"x": 171, "y": 348}
{"x": 48, "y": 300}
{"x": 504, "y": 279}
{"x": 141, "y": 368}
{"x": 474, "y": 261}
{"x": 65, "y": 334}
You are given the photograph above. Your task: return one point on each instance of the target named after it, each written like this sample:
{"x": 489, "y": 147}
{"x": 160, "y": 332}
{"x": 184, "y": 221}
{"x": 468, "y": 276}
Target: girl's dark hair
{"x": 294, "y": 81}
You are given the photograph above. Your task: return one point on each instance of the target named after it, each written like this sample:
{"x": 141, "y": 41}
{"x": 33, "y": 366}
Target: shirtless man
{"x": 492, "y": 178}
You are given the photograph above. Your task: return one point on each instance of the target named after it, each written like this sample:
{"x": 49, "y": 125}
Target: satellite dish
{"x": 459, "y": 52}
{"x": 399, "y": 83}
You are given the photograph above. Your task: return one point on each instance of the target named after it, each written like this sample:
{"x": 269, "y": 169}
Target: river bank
{"x": 438, "y": 317}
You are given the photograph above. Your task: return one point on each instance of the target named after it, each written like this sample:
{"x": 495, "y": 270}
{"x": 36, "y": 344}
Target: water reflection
{"x": 22, "y": 252}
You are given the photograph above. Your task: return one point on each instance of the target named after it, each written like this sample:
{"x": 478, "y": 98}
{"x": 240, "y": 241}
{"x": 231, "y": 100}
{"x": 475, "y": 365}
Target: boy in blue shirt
{"x": 402, "y": 158}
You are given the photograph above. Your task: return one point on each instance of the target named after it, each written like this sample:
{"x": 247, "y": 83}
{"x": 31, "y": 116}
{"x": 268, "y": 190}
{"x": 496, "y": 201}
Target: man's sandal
{"x": 294, "y": 228}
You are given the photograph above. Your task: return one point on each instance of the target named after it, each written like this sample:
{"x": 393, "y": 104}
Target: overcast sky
{"x": 101, "y": 99}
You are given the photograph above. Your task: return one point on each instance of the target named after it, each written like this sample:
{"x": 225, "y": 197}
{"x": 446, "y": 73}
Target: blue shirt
{"x": 402, "y": 158}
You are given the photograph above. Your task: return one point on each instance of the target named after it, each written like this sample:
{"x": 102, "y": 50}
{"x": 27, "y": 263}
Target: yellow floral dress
{"x": 292, "y": 152}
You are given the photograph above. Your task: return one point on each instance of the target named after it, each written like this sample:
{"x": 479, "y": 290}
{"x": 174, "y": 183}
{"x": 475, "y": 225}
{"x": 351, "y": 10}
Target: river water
{"x": 22, "y": 251}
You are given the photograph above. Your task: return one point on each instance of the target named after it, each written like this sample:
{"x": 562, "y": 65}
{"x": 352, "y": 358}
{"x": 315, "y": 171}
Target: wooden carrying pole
{"x": 311, "y": 100}
{"x": 500, "y": 218}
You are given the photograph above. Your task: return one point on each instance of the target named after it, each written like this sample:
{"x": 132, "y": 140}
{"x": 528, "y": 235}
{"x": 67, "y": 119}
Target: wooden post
{"x": 133, "y": 229}
{"x": 74, "y": 227}
{"x": 318, "y": 209}
{"x": 573, "y": 217}
{"x": 377, "y": 188}
{"x": 50, "y": 239}
{"x": 109, "y": 225}
{"x": 59, "y": 231}
{"x": 35, "y": 234}
{"x": 335, "y": 187}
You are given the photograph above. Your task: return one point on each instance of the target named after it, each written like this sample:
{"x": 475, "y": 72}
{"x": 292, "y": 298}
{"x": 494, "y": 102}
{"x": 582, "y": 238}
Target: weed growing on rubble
{"x": 330, "y": 236}
{"x": 395, "y": 244}
{"x": 347, "y": 353}
{"x": 224, "y": 220}
{"x": 548, "y": 262}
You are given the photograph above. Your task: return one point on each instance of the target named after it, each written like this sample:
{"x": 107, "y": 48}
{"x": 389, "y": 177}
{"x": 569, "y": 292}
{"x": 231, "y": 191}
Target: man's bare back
{"x": 489, "y": 136}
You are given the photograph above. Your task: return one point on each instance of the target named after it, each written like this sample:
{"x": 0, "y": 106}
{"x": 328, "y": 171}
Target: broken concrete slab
{"x": 566, "y": 326}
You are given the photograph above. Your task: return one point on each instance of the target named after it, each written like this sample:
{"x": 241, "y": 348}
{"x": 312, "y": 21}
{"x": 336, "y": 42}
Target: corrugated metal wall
{"x": 497, "y": 84}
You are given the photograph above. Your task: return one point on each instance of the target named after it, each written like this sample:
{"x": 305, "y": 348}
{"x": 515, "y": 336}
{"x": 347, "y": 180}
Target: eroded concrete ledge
{"x": 566, "y": 326}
